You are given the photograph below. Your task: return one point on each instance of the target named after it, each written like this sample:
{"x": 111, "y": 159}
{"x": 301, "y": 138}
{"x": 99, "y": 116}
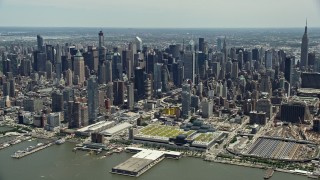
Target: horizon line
{"x": 289, "y": 27}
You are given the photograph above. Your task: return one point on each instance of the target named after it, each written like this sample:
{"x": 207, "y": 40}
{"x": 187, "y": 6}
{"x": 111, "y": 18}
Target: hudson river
{"x": 58, "y": 162}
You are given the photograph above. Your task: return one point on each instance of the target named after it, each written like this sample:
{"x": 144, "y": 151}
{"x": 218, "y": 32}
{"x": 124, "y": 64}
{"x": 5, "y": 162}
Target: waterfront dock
{"x": 269, "y": 173}
{"x": 15, "y": 141}
{"x": 30, "y": 150}
{"x": 142, "y": 161}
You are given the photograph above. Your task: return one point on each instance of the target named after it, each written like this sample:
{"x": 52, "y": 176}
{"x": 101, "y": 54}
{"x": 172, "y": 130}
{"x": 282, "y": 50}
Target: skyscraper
{"x": 69, "y": 77}
{"x": 93, "y": 101}
{"x": 40, "y": 43}
{"x": 139, "y": 81}
{"x": 118, "y": 91}
{"x": 101, "y": 49}
{"x": 186, "y": 99}
{"x": 189, "y": 66}
{"x": 108, "y": 71}
{"x": 102, "y": 73}
{"x": 139, "y": 43}
{"x": 288, "y": 68}
{"x": 235, "y": 70}
{"x": 157, "y": 83}
{"x": 58, "y": 62}
{"x": 130, "y": 95}
{"x": 304, "y": 49}
{"x": 225, "y": 50}
{"x": 57, "y": 101}
{"x": 79, "y": 67}
{"x": 269, "y": 59}
{"x": 201, "y": 44}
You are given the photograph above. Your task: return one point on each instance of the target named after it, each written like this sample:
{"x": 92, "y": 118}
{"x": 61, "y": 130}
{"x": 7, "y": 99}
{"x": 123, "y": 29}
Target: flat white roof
{"x": 117, "y": 128}
{"x": 149, "y": 154}
{"x": 95, "y": 126}
{"x": 175, "y": 153}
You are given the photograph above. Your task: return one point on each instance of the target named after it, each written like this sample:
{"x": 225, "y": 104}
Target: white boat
{"x": 60, "y": 141}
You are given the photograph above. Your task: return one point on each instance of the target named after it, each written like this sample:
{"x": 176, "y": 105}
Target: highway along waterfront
{"x": 59, "y": 162}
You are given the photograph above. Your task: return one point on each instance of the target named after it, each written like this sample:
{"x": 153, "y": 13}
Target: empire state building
{"x": 304, "y": 49}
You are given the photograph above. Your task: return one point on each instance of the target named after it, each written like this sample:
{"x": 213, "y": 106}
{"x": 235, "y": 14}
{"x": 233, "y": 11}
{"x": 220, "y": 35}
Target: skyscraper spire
{"x": 306, "y": 28}
{"x": 304, "y": 49}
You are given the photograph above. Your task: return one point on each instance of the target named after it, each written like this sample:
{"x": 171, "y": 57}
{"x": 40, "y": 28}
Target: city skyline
{"x": 156, "y": 14}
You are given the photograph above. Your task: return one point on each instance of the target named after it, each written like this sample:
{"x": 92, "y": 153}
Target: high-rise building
{"x": 216, "y": 68}
{"x": 186, "y": 99}
{"x": 50, "y": 53}
{"x": 108, "y": 71}
{"x": 130, "y": 95}
{"x": 200, "y": 64}
{"x": 12, "y": 92}
{"x": 289, "y": 63}
{"x": 189, "y": 66}
{"x": 295, "y": 112}
{"x": 69, "y": 114}
{"x": 139, "y": 81}
{"x": 32, "y": 104}
{"x": 118, "y": 91}
{"x": 265, "y": 85}
{"x": 256, "y": 54}
{"x": 53, "y": 121}
{"x": 102, "y": 73}
{"x": 49, "y": 69}
{"x": 84, "y": 115}
{"x": 117, "y": 68}
{"x": 165, "y": 78}
{"x": 138, "y": 43}
{"x": 25, "y": 67}
{"x": 93, "y": 101}
{"x": 109, "y": 92}
{"x": 39, "y": 61}
{"x": 268, "y": 59}
{"x": 77, "y": 114}
{"x": 201, "y": 44}
{"x": 177, "y": 73}
{"x": 157, "y": 83}
{"x": 79, "y": 67}
{"x": 57, "y": 101}
{"x": 147, "y": 88}
{"x": 6, "y": 89}
{"x": 225, "y": 50}
{"x": 207, "y": 108}
{"x": 150, "y": 62}
{"x": 310, "y": 80}
{"x": 304, "y": 49}
{"x": 69, "y": 78}
{"x": 311, "y": 59}
{"x": 101, "y": 48}
{"x": 40, "y": 43}
{"x": 235, "y": 70}
{"x": 264, "y": 105}
{"x": 219, "y": 44}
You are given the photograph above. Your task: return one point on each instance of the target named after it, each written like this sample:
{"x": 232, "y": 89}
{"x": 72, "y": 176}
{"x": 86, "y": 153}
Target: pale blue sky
{"x": 160, "y": 13}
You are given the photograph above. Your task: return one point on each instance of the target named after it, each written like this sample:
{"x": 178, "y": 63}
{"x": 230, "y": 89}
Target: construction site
{"x": 294, "y": 131}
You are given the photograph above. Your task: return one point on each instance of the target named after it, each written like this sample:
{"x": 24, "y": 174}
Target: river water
{"x": 58, "y": 162}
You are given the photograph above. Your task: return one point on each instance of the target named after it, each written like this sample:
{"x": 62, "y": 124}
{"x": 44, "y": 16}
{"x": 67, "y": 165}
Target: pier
{"x": 15, "y": 141}
{"x": 142, "y": 161}
{"x": 31, "y": 150}
{"x": 268, "y": 173}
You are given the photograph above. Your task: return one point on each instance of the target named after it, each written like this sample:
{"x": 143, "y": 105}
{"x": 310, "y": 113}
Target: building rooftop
{"x": 161, "y": 131}
{"x": 149, "y": 154}
{"x": 95, "y": 126}
{"x": 116, "y": 128}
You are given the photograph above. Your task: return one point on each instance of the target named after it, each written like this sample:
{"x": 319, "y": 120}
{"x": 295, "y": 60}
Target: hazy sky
{"x": 160, "y": 13}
